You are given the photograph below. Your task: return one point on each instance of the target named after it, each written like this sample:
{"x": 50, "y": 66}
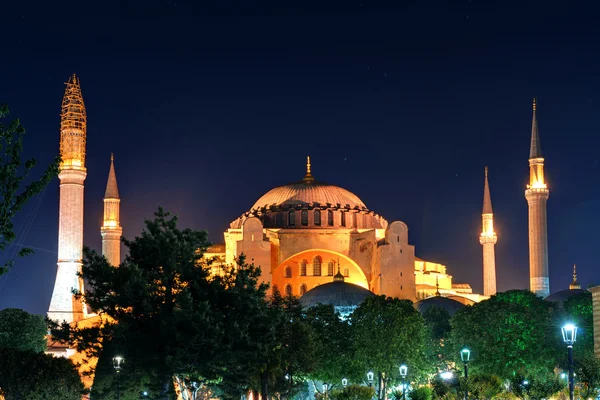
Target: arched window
{"x": 304, "y": 218}
{"x": 330, "y": 218}
{"x": 303, "y": 268}
{"x": 288, "y": 290}
{"x": 292, "y": 218}
{"x": 288, "y": 272}
{"x": 317, "y": 217}
{"x": 302, "y": 289}
{"x": 317, "y": 266}
{"x": 346, "y": 272}
{"x": 343, "y": 218}
{"x": 279, "y": 220}
{"x": 330, "y": 268}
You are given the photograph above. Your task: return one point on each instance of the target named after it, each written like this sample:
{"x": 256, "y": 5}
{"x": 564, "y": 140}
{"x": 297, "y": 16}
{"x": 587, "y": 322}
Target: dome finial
{"x": 339, "y": 277}
{"x": 308, "y": 177}
{"x": 574, "y": 285}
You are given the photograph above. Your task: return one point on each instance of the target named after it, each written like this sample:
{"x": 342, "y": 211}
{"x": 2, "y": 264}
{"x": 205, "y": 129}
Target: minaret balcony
{"x": 486, "y": 238}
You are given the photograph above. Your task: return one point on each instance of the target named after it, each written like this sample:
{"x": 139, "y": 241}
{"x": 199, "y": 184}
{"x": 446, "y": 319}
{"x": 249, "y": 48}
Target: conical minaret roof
{"x": 487, "y": 198}
{"x": 112, "y": 191}
{"x": 535, "y": 150}
{"x": 574, "y": 285}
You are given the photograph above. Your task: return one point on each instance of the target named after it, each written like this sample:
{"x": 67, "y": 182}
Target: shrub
{"x": 421, "y": 393}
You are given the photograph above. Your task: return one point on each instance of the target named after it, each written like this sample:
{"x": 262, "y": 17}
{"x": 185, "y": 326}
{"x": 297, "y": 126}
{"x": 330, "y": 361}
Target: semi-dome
{"x": 309, "y": 193}
{"x": 564, "y": 295}
{"x": 450, "y": 305}
{"x": 343, "y": 296}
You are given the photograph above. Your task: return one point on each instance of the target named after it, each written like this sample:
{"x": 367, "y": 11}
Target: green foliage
{"x": 421, "y": 393}
{"x": 484, "y": 386}
{"x": 352, "y": 392}
{"x": 38, "y": 376}
{"x": 20, "y": 330}
{"x": 576, "y": 309}
{"x": 332, "y": 348}
{"x": 587, "y": 369}
{"x": 438, "y": 353}
{"x": 508, "y": 334}
{"x": 538, "y": 386}
{"x": 387, "y": 332}
{"x": 13, "y": 172}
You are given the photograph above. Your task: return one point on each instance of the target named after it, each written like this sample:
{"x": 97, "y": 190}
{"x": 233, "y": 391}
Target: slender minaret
{"x": 537, "y": 194}
{"x": 488, "y": 239}
{"x": 111, "y": 230}
{"x": 72, "y": 173}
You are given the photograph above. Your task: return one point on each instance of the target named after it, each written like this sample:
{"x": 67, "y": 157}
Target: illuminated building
{"x": 537, "y": 195}
{"x": 488, "y": 239}
{"x": 301, "y": 233}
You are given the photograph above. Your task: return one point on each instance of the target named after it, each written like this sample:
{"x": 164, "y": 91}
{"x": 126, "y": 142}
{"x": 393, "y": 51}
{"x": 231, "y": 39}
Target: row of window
{"x": 288, "y": 291}
{"x": 317, "y": 261}
{"x": 316, "y": 218}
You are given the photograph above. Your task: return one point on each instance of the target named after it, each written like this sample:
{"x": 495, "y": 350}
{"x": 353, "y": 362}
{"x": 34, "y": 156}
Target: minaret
{"x": 111, "y": 230}
{"x": 537, "y": 194}
{"x": 488, "y": 239}
{"x": 72, "y": 173}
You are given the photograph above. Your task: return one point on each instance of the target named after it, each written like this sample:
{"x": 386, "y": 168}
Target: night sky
{"x": 207, "y": 108}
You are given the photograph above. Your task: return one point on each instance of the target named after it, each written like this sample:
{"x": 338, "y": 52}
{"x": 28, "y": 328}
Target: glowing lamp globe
{"x": 446, "y": 375}
{"x": 370, "y": 376}
{"x": 403, "y": 370}
{"x": 118, "y": 363}
{"x": 569, "y": 333}
{"x": 344, "y": 382}
{"x": 465, "y": 355}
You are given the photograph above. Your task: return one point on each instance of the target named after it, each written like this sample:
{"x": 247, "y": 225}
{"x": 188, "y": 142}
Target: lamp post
{"x": 403, "y": 372}
{"x": 569, "y": 333}
{"x": 196, "y": 387}
{"x": 465, "y": 356}
{"x": 118, "y": 365}
{"x": 370, "y": 376}
{"x": 325, "y": 387}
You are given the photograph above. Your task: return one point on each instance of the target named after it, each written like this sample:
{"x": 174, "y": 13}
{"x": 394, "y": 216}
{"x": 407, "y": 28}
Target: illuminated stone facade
{"x": 537, "y": 194}
{"x": 111, "y": 230}
{"x": 63, "y": 305}
{"x": 596, "y": 312}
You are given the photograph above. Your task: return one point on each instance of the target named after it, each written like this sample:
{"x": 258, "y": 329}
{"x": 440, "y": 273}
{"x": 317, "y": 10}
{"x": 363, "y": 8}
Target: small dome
{"x": 337, "y": 293}
{"x": 447, "y": 304}
{"x": 564, "y": 295}
{"x": 307, "y": 192}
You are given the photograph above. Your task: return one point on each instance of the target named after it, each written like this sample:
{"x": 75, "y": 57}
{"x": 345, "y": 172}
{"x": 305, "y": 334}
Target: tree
{"x": 20, "y": 330}
{"x": 587, "y": 369}
{"x": 387, "y": 332}
{"x": 508, "y": 334}
{"x": 437, "y": 325}
{"x": 13, "y": 172}
{"x": 484, "y": 386}
{"x": 27, "y": 375}
{"x": 160, "y": 301}
{"x": 353, "y": 392}
{"x": 332, "y": 346}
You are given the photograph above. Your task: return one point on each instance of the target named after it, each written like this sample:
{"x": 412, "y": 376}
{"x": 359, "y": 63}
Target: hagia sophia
{"x": 312, "y": 239}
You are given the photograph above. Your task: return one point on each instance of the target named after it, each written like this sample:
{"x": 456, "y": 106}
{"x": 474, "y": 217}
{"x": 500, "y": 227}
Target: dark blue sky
{"x": 208, "y": 108}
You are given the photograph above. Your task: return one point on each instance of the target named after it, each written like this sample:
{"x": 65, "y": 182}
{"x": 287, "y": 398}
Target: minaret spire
{"x": 111, "y": 230}
{"x": 488, "y": 240}
{"x": 537, "y": 194}
{"x": 308, "y": 177}
{"x": 73, "y": 130}
{"x": 574, "y": 285}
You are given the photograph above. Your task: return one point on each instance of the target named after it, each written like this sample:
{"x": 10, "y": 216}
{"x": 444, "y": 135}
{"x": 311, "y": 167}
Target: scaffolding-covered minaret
{"x": 72, "y": 174}
{"x": 111, "y": 230}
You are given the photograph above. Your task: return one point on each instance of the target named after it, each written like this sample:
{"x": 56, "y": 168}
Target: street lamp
{"x": 196, "y": 387}
{"x": 446, "y": 375}
{"x": 569, "y": 333}
{"x": 118, "y": 365}
{"x": 403, "y": 372}
{"x": 344, "y": 382}
{"x": 370, "y": 376}
{"x": 465, "y": 356}
{"x": 325, "y": 387}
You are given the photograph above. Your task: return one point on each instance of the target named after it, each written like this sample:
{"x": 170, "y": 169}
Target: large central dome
{"x": 309, "y": 193}
{"x": 311, "y": 204}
